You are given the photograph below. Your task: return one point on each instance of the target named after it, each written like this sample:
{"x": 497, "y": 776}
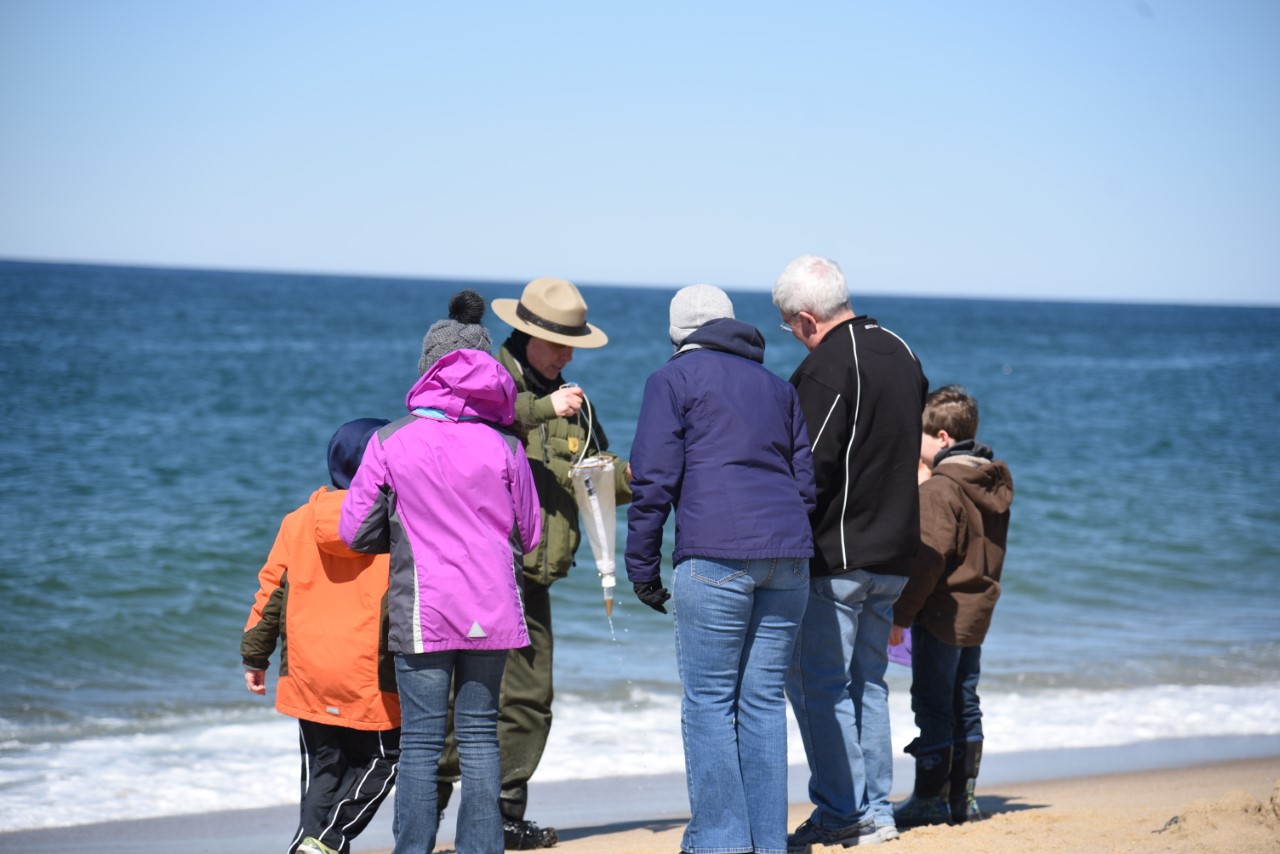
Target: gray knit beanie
{"x": 462, "y": 331}
{"x": 695, "y": 305}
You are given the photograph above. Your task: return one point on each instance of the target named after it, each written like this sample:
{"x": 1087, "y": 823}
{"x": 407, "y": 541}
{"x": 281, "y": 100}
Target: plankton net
{"x": 593, "y": 488}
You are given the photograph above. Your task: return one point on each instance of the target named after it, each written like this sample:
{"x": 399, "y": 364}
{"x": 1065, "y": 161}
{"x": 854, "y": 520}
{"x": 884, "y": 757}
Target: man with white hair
{"x": 862, "y": 392}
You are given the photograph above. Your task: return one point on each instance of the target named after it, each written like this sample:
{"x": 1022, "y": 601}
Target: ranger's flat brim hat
{"x": 553, "y": 310}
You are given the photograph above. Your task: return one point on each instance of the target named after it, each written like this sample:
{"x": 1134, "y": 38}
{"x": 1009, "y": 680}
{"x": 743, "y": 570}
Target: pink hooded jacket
{"x": 449, "y": 494}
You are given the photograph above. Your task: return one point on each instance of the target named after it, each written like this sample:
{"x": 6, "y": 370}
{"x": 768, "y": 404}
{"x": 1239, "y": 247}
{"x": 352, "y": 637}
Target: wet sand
{"x": 1223, "y": 808}
{"x": 1222, "y": 793}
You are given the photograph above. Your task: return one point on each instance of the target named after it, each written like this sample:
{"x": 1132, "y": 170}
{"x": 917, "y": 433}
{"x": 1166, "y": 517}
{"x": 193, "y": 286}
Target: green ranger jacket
{"x": 554, "y": 445}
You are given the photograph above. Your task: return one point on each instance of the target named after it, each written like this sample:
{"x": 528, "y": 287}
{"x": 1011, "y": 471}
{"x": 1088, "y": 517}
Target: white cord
{"x": 586, "y": 405}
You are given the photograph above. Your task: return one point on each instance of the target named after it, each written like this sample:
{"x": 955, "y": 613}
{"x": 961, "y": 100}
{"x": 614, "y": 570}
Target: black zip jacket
{"x": 862, "y": 391}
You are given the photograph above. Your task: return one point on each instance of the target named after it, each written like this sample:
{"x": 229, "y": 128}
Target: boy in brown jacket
{"x": 948, "y": 603}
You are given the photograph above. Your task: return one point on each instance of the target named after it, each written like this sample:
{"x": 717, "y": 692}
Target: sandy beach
{"x": 1226, "y": 807}
{"x": 1196, "y": 795}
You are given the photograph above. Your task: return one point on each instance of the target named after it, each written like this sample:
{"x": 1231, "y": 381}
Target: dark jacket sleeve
{"x": 262, "y": 629}
{"x": 365, "y": 523}
{"x": 826, "y": 417}
{"x": 802, "y": 456}
{"x": 940, "y": 527}
{"x": 257, "y": 643}
{"x": 657, "y": 470}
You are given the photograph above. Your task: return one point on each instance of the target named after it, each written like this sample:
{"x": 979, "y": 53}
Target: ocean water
{"x": 158, "y": 424}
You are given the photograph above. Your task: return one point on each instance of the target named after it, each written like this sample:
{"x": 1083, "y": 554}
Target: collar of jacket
{"x": 726, "y": 335}
{"x": 966, "y": 448}
{"x": 861, "y": 319}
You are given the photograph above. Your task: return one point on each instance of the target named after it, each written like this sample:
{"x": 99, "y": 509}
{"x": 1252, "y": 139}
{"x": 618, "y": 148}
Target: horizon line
{"x": 515, "y": 282}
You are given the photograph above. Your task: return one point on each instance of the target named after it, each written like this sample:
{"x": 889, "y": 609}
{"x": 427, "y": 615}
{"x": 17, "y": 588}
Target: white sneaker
{"x": 311, "y": 845}
{"x": 882, "y": 833}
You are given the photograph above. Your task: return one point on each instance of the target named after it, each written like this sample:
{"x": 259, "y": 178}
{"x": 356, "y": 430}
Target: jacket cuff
{"x": 543, "y": 409}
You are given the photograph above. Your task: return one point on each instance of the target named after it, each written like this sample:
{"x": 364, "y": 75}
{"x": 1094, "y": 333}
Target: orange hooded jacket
{"x": 327, "y": 605}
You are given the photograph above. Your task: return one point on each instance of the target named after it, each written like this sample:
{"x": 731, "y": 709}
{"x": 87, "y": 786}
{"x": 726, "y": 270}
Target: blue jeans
{"x": 944, "y": 690}
{"x": 736, "y": 622}
{"x": 840, "y": 699}
{"x": 424, "y": 681}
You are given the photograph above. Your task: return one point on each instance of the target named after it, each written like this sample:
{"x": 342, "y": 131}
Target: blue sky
{"x": 1083, "y": 149}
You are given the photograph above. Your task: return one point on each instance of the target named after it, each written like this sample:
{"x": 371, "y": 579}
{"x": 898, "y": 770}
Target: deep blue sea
{"x": 158, "y": 424}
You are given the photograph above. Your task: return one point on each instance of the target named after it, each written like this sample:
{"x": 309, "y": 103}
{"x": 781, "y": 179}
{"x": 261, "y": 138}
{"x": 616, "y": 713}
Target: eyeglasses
{"x": 785, "y": 326}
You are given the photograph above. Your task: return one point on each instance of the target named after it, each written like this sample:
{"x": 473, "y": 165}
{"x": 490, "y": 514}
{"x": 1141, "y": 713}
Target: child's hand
{"x": 895, "y": 636}
{"x": 256, "y": 681}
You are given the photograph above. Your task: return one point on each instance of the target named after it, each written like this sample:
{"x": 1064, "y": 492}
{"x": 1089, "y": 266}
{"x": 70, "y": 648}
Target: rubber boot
{"x": 444, "y": 791}
{"x": 964, "y": 774}
{"x": 928, "y": 803}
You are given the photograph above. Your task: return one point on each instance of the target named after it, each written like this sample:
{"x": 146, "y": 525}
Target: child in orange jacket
{"x": 326, "y": 604}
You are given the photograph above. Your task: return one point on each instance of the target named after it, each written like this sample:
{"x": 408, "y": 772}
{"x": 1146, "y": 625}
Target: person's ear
{"x": 944, "y": 438}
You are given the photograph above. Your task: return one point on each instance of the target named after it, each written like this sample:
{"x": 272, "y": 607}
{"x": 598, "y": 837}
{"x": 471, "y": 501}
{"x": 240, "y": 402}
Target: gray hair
{"x": 814, "y": 284}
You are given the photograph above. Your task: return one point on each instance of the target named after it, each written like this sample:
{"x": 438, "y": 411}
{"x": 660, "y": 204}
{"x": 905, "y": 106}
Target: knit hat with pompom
{"x": 462, "y": 331}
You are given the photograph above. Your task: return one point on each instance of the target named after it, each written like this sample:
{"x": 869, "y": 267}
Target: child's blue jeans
{"x": 944, "y": 690}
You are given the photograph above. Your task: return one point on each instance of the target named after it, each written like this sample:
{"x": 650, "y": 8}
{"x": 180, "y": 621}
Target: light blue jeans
{"x": 736, "y": 622}
{"x": 424, "y": 681}
{"x": 840, "y": 699}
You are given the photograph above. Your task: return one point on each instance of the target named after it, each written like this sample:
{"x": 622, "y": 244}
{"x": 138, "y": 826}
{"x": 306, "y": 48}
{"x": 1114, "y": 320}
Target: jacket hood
{"x": 347, "y": 447}
{"x": 326, "y": 510}
{"x": 727, "y": 335}
{"x": 466, "y": 384}
{"x": 987, "y": 483}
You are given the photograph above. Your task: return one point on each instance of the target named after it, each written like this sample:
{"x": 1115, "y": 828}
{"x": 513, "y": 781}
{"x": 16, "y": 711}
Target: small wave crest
{"x": 203, "y": 765}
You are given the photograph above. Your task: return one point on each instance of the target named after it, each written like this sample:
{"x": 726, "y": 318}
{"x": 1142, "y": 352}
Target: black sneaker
{"x": 808, "y": 834}
{"x": 521, "y": 835}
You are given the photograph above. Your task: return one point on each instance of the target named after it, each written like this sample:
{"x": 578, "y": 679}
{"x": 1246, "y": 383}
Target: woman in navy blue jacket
{"x": 723, "y": 441}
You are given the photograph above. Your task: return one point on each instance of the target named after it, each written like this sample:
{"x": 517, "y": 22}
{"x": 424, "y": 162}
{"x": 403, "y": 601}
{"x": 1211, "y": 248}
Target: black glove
{"x": 652, "y": 593}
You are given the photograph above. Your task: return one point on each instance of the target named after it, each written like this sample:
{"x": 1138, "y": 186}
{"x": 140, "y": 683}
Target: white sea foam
{"x": 593, "y": 740}
{"x": 253, "y": 762}
{"x": 171, "y": 772}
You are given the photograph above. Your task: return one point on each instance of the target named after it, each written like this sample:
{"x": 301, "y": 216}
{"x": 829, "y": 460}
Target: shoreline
{"x": 1230, "y": 807}
{"x": 643, "y": 814}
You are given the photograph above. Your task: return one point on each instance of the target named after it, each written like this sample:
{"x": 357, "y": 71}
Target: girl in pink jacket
{"x": 448, "y": 492}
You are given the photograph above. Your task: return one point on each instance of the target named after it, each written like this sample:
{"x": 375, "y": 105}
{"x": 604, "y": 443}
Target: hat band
{"x": 551, "y": 326}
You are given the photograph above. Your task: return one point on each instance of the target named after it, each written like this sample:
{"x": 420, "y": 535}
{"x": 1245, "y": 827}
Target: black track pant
{"x": 346, "y": 773}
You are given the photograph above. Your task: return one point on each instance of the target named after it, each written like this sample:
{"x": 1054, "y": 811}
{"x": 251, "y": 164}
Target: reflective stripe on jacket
{"x": 453, "y": 500}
